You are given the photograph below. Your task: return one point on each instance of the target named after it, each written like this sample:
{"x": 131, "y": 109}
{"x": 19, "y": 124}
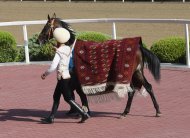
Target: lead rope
{"x": 72, "y": 47}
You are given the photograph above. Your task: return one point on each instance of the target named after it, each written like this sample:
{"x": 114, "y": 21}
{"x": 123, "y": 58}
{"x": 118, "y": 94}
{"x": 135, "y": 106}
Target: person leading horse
{"x": 141, "y": 55}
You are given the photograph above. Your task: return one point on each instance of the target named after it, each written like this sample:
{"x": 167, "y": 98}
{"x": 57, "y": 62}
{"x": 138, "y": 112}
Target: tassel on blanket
{"x": 103, "y": 98}
{"x": 122, "y": 89}
{"x": 142, "y": 92}
{"x": 98, "y": 88}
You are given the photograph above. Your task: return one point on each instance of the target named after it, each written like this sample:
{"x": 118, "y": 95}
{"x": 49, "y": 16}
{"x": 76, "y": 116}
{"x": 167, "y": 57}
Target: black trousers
{"x": 63, "y": 87}
{"x": 67, "y": 87}
{"x": 75, "y": 85}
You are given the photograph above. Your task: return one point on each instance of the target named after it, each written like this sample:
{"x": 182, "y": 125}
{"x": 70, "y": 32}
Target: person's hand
{"x": 43, "y": 76}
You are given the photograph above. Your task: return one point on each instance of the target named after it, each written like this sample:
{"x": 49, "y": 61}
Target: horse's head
{"x": 53, "y": 23}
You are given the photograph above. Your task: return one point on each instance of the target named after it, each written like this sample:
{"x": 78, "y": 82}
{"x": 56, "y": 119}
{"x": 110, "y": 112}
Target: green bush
{"x": 45, "y": 52}
{"x": 40, "y": 53}
{"x": 21, "y": 54}
{"x": 144, "y": 45}
{"x": 93, "y": 36}
{"x": 170, "y": 50}
{"x": 8, "y": 50}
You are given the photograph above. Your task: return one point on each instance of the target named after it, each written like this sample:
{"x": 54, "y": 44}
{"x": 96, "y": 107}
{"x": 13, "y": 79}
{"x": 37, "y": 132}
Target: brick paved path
{"x": 25, "y": 98}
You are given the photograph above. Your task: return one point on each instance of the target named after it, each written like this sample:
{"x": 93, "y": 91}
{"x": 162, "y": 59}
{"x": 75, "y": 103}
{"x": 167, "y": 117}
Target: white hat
{"x": 61, "y": 35}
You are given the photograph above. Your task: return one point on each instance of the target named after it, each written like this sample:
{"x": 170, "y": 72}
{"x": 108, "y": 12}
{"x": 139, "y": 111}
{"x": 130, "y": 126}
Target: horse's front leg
{"x": 129, "y": 102}
{"x": 149, "y": 89}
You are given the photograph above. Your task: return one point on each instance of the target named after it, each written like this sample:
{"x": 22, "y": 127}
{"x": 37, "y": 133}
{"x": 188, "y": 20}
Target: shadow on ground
{"x": 29, "y": 115}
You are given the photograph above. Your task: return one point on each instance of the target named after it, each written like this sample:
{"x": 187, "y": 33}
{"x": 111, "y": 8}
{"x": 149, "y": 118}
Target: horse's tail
{"x": 152, "y": 62}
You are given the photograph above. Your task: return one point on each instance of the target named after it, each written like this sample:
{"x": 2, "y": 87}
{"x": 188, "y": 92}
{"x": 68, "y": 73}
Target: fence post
{"x": 114, "y": 31}
{"x": 26, "y": 44}
{"x": 187, "y": 45}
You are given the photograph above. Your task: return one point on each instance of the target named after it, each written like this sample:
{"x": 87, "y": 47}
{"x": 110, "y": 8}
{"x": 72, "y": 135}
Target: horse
{"x": 141, "y": 56}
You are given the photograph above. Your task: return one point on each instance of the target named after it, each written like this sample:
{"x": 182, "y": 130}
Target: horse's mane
{"x": 71, "y": 31}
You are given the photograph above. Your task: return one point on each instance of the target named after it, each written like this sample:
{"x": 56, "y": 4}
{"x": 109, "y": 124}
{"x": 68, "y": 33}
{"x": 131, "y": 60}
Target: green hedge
{"x": 46, "y": 53}
{"x": 40, "y": 53}
{"x": 93, "y": 36}
{"x": 8, "y": 49}
{"x": 21, "y": 54}
{"x": 170, "y": 50}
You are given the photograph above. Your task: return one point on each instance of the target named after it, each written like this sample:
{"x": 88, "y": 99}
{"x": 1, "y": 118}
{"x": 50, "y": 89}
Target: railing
{"x": 184, "y": 22}
{"x": 97, "y": 0}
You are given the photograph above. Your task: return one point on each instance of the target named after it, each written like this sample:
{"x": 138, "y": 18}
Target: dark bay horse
{"x": 142, "y": 55}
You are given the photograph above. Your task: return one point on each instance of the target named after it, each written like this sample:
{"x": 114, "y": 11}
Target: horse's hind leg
{"x": 136, "y": 82}
{"x": 149, "y": 89}
{"x": 129, "y": 102}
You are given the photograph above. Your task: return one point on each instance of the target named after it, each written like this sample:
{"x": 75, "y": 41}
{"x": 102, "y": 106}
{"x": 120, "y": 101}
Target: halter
{"x": 51, "y": 24}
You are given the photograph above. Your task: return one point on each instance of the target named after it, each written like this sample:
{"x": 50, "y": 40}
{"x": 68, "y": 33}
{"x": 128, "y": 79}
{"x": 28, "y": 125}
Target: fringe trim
{"x": 142, "y": 92}
{"x": 90, "y": 90}
{"x": 103, "y": 98}
{"x": 120, "y": 89}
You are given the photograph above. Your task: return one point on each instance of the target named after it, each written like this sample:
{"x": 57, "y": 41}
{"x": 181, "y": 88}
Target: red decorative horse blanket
{"x": 108, "y": 66}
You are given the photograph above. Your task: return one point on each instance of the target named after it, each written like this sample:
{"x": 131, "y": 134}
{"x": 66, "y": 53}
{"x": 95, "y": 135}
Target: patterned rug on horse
{"x": 105, "y": 67}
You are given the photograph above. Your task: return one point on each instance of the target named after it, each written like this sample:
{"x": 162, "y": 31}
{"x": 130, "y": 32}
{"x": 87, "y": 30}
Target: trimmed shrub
{"x": 144, "y": 45}
{"x": 93, "y": 36}
{"x": 46, "y": 52}
{"x": 8, "y": 50}
{"x": 21, "y": 54}
{"x": 170, "y": 50}
{"x": 40, "y": 53}
{"x": 96, "y": 36}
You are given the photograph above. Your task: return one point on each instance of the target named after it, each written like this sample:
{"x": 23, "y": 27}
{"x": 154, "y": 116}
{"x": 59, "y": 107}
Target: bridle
{"x": 52, "y": 28}
{"x": 52, "y": 25}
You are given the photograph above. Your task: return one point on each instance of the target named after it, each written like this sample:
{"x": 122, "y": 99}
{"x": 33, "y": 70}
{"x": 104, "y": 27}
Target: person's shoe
{"x": 83, "y": 114}
{"x": 84, "y": 118}
{"x": 86, "y": 109}
{"x": 50, "y": 118}
{"x": 72, "y": 112}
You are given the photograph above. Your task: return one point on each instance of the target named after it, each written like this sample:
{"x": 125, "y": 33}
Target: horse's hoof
{"x": 122, "y": 116}
{"x": 47, "y": 120}
{"x": 158, "y": 114}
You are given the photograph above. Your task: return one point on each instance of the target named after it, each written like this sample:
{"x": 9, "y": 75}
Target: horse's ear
{"x": 48, "y": 17}
{"x": 54, "y": 15}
